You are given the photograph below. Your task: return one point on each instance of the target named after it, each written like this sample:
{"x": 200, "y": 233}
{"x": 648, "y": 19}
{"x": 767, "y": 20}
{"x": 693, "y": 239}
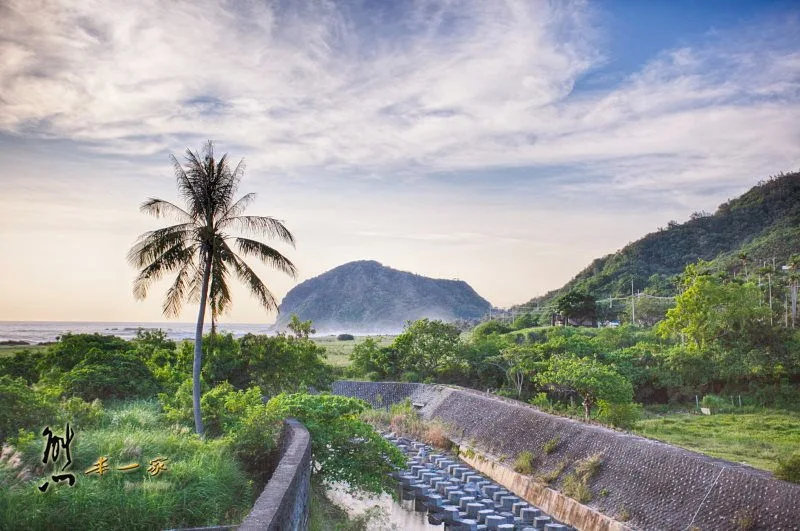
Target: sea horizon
{"x": 35, "y": 332}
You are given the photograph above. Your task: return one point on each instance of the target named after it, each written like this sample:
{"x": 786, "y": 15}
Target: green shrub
{"x": 576, "y": 489}
{"x": 223, "y": 407}
{"x": 82, "y": 414}
{"x": 541, "y": 401}
{"x": 24, "y": 364}
{"x": 576, "y": 484}
{"x": 551, "y": 445}
{"x": 345, "y": 337}
{"x": 110, "y": 375}
{"x": 254, "y": 439}
{"x": 22, "y": 407}
{"x": 71, "y": 349}
{"x": 789, "y": 469}
{"x": 344, "y": 447}
{"x": 523, "y": 464}
{"x": 624, "y": 415}
{"x": 714, "y": 402}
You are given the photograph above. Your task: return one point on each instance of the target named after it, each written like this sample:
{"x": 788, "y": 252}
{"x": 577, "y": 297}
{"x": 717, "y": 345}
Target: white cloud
{"x": 430, "y": 86}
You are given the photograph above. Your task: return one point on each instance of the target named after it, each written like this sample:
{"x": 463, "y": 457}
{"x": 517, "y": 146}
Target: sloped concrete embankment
{"x": 650, "y": 485}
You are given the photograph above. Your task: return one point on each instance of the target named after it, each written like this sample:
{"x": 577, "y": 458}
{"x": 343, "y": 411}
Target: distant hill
{"x": 763, "y": 223}
{"x": 367, "y": 297}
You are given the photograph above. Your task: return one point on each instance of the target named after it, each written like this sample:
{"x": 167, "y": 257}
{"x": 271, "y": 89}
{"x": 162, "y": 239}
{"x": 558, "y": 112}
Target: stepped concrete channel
{"x": 641, "y": 483}
{"x": 459, "y": 497}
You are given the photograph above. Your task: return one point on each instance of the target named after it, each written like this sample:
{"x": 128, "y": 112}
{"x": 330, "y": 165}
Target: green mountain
{"x": 367, "y": 297}
{"x": 754, "y": 229}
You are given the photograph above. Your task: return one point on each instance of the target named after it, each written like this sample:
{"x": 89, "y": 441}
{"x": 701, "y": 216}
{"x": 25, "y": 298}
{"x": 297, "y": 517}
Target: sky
{"x": 504, "y": 143}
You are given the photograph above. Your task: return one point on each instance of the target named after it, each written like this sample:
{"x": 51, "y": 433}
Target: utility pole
{"x": 633, "y": 306}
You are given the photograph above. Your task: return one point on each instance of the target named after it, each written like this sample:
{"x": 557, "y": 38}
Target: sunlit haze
{"x": 503, "y": 143}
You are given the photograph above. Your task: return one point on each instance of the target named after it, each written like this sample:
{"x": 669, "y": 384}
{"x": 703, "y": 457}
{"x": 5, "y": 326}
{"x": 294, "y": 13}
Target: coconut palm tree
{"x": 200, "y": 249}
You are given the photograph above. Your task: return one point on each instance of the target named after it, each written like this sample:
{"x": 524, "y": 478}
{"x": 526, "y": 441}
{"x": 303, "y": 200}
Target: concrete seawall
{"x": 284, "y": 503}
{"x": 650, "y": 485}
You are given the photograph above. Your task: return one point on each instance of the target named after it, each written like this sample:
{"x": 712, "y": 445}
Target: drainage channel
{"x": 459, "y": 497}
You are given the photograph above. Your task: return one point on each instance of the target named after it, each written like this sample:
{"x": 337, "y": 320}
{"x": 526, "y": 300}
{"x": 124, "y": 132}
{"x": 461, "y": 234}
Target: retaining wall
{"x": 283, "y": 505}
{"x": 654, "y": 485}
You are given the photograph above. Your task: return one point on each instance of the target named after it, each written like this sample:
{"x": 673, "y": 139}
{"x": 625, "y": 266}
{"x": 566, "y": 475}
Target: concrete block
{"x": 529, "y": 513}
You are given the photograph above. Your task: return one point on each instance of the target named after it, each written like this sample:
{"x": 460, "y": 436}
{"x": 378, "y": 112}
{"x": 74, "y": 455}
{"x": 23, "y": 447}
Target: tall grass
{"x": 202, "y": 485}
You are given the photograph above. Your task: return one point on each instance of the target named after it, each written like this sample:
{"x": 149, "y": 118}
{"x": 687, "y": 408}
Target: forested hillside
{"x": 753, "y": 230}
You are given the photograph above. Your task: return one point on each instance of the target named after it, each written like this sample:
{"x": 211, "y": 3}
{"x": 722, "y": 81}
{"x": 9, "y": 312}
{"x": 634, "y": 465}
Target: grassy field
{"x": 339, "y": 351}
{"x": 10, "y": 350}
{"x": 758, "y": 439}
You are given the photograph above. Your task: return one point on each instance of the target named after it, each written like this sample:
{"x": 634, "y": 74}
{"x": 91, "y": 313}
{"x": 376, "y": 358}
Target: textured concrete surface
{"x": 283, "y": 505}
{"x": 655, "y": 485}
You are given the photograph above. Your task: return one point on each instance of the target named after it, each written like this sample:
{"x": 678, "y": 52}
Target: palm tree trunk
{"x": 198, "y": 348}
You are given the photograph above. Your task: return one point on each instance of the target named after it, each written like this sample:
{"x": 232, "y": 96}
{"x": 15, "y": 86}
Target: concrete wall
{"x": 283, "y": 505}
{"x": 657, "y": 486}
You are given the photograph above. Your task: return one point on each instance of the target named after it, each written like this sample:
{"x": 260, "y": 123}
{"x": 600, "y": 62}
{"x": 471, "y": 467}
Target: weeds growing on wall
{"x": 576, "y": 484}
{"x": 524, "y": 462}
{"x": 404, "y": 419}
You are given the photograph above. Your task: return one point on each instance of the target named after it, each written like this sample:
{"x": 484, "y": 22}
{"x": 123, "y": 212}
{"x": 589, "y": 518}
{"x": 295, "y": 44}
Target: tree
{"x": 592, "y": 380}
{"x": 428, "y": 347}
{"x": 300, "y": 329}
{"x": 710, "y": 310}
{"x": 577, "y": 306}
{"x": 199, "y": 249}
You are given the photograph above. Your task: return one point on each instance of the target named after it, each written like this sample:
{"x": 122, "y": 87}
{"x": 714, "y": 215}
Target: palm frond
{"x": 153, "y": 244}
{"x": 158, "y": 207}
{"x": 266, "y": 254}
{"x": 170, "y": 260}
{"x": 261, "y": 226}
{"x": 237, "y": 208}
{"x": 253, "y": 283}
{"x": 187, "y": 186}
{"x": 175, "y": 294}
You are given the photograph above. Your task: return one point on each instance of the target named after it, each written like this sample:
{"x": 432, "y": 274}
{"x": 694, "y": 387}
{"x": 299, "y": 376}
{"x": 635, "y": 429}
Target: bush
{"x": 789, "y": 469}
{"x": 551, "y": 445}
{"x": 623, "y": 416}
{"x": 345, "y": 337}
{"x": 22, "y": 407}
{"x": 523, "y": 464}
{"x": 23, "y": 365}
{"x": 223, "y": 407}
{"x": 344, "y": 447}
{"x": 72, "y": 349}
{"x": 110, "y": 375}
{"x": 541, "y": 401}
{"x": 254, "y": 439}
{"x": 82, "y": 414}
{"x": 714, "y": 402}
{"x": 490, "y": 327}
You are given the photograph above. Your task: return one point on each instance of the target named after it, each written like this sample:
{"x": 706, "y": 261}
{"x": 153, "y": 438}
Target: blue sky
{"x": 505, "y": 143}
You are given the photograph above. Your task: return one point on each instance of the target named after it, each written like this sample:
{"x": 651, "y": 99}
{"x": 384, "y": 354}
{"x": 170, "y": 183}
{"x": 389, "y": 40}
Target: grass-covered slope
{"x": 764, "y": 223}
{"x": 367, "y": 297}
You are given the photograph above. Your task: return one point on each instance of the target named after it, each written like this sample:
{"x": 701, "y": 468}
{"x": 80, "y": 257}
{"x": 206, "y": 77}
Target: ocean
{"x": 46, "y": 331}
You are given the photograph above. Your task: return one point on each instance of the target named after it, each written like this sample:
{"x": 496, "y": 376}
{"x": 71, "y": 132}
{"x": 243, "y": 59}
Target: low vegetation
{"x": 757, "y": 438}
{"x": 204, "y": 472}
{"x": 524, "y": 463}
{"x": 576, "y": 485}
{"x": 131, "y": 402}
